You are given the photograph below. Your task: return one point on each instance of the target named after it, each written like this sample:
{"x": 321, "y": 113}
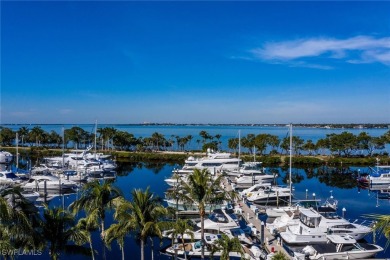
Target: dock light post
{"x": 306, "y": 193}
{"x": 344, "y": 210}
{"x": 314, "y": 196}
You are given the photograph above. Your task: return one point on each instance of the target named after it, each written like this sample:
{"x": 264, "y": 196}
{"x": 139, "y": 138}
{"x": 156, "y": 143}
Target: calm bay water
{"x": 140, "y": 176}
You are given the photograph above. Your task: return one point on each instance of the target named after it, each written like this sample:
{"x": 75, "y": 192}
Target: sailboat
{"x": 279, "y": 211}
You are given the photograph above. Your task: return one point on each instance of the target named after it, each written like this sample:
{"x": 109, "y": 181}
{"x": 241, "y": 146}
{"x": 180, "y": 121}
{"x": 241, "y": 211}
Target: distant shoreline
{"x": 322, "y": 125}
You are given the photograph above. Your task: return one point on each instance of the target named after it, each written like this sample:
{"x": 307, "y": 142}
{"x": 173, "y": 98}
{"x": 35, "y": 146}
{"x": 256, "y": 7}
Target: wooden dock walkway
{"x": 270, "y": 243}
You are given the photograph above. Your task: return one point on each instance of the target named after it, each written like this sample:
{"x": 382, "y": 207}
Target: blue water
{"x": 356, "y": 202}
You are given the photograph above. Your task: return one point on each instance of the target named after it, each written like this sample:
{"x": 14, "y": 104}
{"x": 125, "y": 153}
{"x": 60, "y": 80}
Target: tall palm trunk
{"x": 152, "y": 247}
{"x": 102, "y": 238}
{"x": 91, "y": 246}
{"x": 202, "y": 213}
{"x": 184, "y": 246}
{"x": 142, "y": 249}
{"x": 123, "y": 251}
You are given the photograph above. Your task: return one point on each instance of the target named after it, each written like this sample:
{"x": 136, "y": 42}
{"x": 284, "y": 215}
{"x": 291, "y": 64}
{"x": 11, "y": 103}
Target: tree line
{"x": 343, "y": 144}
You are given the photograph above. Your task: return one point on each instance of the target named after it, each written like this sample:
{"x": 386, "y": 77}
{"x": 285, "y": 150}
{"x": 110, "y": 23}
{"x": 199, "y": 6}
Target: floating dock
{"x": 251, "y": 215}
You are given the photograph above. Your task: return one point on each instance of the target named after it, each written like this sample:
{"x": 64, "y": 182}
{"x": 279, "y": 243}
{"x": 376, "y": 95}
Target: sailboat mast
{"x": 17, "y": 151}
{"x": 63, "y": 147}
{"x": 290, "y": 202}
{"x": 95, "y": 137}
{"x": 239, "y": 143}
{"x": 239, "y": 150}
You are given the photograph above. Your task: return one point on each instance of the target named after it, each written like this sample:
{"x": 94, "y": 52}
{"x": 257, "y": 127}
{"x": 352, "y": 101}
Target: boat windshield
{"x": 310, "y": 221}
{"x": 217, "y": 217}
{"x": 10, "y": 175}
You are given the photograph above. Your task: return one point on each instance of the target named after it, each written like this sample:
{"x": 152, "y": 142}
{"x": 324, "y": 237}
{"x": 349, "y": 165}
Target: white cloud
{"x": 359, "y": 49}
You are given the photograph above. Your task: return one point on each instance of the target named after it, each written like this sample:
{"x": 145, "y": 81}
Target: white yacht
{"x": 9, "y": 178}
{"x": 30, "y": 195}
{"x": 182, "y": 206}
{"x": 290, "y": 217}
{"x": 247, "y": 168}
{"x": 262, "y": 187}
{"x": 195, "y": 249}
{"x": 50, "y": 182}
{"x": 312, "y": 227}
{"x": 72, "y": 175}
{"x": 247, "y": 181}
{"x": 339, "y": 247}
{"x": 379, "y": 176}
{"x": 5, "y": 157}
{"x": 42, "y": 169}
{"x": 220, "y": 219}
{"x": 274, "y": 212}
{"x": 271, "y": 195}
{"x": 214, "y": 162}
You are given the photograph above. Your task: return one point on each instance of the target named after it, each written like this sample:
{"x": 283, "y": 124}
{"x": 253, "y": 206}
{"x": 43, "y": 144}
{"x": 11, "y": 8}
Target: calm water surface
{"x": 140, "y": 176}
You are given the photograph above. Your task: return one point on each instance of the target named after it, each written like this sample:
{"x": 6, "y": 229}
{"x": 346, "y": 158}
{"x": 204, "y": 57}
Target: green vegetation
{"x": 334, "y": 149}
{"x": 202, "y": 190}
{"x": 226, "y": 245}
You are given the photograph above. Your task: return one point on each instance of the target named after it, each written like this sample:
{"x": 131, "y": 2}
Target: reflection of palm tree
{"x": 201, "y": 189}
{"x": 95, "y": 199}
{"x": 59, "y": 229}
{"x": 147, "y": 213}
{"x": 225, "y": 245}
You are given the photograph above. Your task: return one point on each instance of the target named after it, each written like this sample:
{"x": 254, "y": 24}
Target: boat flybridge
{"x": 214, "y": 162}
{"x": 313, "y": 226}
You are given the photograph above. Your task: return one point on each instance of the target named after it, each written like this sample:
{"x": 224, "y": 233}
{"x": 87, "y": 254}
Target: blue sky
{"x": 195, "y": 62}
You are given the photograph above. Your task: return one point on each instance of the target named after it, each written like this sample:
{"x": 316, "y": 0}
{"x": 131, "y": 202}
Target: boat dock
{"x": 251, "y": 215}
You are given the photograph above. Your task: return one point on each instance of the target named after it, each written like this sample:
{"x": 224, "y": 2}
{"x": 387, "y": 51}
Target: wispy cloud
{"x": 359, "y": 49}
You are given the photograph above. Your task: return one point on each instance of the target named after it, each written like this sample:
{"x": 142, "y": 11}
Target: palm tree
{"x": 19, "y": 221}
{"x": 95, "y": 199}
{"x": 23, "y": 132}
{"x": 88, "y": 225}
{"x": 180, "y": 228}
{"x": 36, "y": 134}
{"x": 201, "y": 189}
{"x": 382, "y": 225}
{"x": 124, "y": 226}
{"x": 280, "y": 256}
{"x": 147, "y": 213}
{"x": 59, "y": 229}
{"x": 176, "y": 192}
{"x": 225, "y": 245}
